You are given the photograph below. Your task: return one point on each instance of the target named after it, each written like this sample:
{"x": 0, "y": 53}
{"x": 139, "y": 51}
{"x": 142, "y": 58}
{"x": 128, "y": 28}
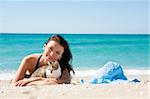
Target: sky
{"x": 74, "y": 16}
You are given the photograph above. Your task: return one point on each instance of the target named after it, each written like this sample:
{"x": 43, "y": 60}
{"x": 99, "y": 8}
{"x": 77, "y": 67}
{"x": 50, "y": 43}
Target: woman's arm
{"x": 65, "y": 78}
{"x": 43, "y": 81}
{"x": 28, "y": 63}
{"x": 26, "y": 81}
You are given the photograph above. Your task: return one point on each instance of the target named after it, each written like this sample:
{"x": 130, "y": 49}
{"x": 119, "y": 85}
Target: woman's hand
{"x": 24, "y": 82}
{"x": 35, "y": 81}
{"x": 43, "y": 81}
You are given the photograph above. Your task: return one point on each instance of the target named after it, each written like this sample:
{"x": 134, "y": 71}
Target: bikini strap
{"x": 37, "y": 65}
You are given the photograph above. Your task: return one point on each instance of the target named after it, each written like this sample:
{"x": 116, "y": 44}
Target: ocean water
{"x": 90, "y": 51}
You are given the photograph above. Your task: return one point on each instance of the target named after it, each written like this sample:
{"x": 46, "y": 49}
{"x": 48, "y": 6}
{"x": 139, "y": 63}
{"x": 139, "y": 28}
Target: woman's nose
{"x": 52, "y": 53}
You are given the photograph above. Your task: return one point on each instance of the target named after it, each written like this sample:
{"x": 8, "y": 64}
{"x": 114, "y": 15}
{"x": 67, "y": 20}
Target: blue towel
{"x": 111, "y": 71}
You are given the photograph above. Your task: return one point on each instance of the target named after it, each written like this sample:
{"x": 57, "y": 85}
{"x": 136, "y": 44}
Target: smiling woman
{"x": 55, "y": 49}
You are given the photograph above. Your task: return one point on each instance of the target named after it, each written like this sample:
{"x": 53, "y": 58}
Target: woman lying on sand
{"x": 55, "y": 49}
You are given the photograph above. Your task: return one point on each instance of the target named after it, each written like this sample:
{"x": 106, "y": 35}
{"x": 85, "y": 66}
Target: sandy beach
{"x": 75, "y": 90}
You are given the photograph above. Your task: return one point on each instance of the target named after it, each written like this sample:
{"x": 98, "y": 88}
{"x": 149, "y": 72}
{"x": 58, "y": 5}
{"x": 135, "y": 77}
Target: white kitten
{"x": 53, "y": 70}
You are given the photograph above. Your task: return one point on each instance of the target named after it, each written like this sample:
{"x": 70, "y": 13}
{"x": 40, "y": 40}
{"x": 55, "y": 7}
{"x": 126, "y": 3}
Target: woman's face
{"x": 52, "y": 51}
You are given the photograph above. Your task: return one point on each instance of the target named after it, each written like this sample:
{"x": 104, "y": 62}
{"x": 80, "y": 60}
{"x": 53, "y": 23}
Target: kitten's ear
{"x": 49, "y": 63}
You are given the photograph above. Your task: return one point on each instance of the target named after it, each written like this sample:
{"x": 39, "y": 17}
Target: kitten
{"x": 52, "y": 70}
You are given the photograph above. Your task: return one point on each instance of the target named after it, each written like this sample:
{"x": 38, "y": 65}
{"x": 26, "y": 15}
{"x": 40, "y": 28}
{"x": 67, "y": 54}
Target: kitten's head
{"x": 53, "y": 70}
{"x": 53, "y": 65}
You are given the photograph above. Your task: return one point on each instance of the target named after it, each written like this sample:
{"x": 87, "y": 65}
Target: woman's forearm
{"x": 43, "y": 81}
{"x": 24, "y": 82}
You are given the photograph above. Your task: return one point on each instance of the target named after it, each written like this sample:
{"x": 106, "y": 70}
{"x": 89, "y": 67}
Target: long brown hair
{"x": 66, "y": 59}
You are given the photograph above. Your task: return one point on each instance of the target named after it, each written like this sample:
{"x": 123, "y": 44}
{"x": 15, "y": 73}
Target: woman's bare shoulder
{"x": 32, "y": 57}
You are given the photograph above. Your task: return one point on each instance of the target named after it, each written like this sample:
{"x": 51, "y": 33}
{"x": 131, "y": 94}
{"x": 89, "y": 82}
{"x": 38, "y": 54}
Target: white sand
{"x": 79, "y": 91}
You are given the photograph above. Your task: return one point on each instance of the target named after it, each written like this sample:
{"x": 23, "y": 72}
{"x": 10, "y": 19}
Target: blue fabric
{"x": 111, "y": 71}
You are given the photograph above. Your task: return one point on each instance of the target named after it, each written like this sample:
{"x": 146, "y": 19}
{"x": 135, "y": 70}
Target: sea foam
{"x": 83, "y": 73}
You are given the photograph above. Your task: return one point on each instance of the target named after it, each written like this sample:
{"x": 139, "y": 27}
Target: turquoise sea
{"x": 90, "y": 51}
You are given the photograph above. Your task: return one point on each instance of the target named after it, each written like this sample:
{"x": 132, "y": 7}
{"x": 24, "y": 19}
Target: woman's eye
{"x": 51, "y": 48}
{"x": 58, "y": 53}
